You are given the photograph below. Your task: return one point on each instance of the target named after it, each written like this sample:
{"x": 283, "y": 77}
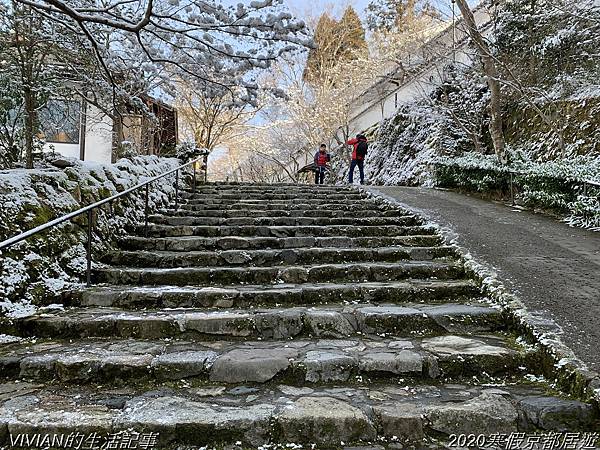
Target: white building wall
{"x": 66, "y": 150}
{"x": 370, "y": 114}
{"x": 98, "y": 136}
{"x": 98, "y": 139}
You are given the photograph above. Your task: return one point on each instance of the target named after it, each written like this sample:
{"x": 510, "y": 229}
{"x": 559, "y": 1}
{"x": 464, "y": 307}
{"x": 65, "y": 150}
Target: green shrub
{"x": 558, "y": 186}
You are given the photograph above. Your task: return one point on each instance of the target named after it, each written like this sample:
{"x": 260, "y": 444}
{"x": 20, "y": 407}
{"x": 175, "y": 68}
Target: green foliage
{"x": 11, "y": 119}
{"x": 396, "y": 15}
{"x": 549, "y": 48}
{"x": 188, "y": 151}
{"x": 29, "y": 76}
{"x": 462, "y": 99}
{"x": 549, "y": 42}
{"x": 336, "y": 42}
{"x": 472, "y": 180}
{"x": 584, "y": 211}
{"x": 126, "y": 149}
{"x": 580, "y": 119}
{"x": 558, "y": 186}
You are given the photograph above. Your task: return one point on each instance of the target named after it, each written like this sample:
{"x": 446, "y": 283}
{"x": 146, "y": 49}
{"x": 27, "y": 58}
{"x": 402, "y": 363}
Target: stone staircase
{"x": 272, "y": 315}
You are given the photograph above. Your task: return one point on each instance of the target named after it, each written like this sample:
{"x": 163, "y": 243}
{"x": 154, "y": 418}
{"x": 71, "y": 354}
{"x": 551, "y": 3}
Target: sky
{"x": 314, "y": 8}
{"x": 304, "y": 8}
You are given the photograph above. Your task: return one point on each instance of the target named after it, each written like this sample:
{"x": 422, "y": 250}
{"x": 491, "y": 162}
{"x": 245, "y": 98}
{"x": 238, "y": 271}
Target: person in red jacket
{"x": 321, "y": 160}
{"x": 358, "y": 156}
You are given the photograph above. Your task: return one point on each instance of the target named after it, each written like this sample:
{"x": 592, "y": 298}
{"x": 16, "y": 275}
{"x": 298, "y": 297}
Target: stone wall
{"x": 32, "y": 272}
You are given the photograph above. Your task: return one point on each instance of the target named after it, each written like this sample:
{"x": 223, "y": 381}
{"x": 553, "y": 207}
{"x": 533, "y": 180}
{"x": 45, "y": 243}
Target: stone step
{"x": 258, "y": 258}
{"x": 251, "y": 187}
{"x": 282, "y": 294}
{"x": 282, "y": 194}
{"x": 303, "y": 206}
{"x": 282, "y": 416}
{"x": 282, "y": 221}
{"x": 276, "y": 213}
{"x": 276, "y": 323}
{"x": 325, "y": 202}
{"x": 298, "y": 361}
{"x": 157, "y": 230}
{"x": 348, "y": 273}
{"x": 193, "y": 243}
{"x": 262, "y": 196}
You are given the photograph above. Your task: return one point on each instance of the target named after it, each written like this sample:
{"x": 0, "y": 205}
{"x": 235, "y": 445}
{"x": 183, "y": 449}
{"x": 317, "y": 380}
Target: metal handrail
{"x": 90, "y": 209}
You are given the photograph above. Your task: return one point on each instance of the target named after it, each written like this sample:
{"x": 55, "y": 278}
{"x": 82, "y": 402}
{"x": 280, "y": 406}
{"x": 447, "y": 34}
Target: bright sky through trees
{"x": 314, "y": 8}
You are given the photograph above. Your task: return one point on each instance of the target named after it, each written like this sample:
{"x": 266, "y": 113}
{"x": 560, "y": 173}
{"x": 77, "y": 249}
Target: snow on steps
{"x": 278, "y": 323}
{"x": 297, "y": 417}
{"x": 345, "y": 349}
{"x": 297, "y": 361}
{"x": 253, "y": 296}
{"x": 328, "y": 255}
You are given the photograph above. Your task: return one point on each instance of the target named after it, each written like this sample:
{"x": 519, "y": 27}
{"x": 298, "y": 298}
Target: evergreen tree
{"x": 396, "y": 15}
{"x": 336, "y": 42}
{"x": 322, "y": 56}
{"x": 353, "y": 33}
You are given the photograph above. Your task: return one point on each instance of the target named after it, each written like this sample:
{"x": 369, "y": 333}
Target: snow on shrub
{"x": 34, "y": 271}
{"x": 188, "y": 151}
{"x": 565, "y": 186}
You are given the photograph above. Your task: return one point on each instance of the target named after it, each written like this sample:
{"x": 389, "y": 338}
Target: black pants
{"x": 320, "y": 175}
{"x": 361, "y": 170}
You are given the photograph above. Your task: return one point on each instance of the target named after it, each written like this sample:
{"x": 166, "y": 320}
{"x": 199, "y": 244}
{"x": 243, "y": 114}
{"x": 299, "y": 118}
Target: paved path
{"x": 554, "y": 268}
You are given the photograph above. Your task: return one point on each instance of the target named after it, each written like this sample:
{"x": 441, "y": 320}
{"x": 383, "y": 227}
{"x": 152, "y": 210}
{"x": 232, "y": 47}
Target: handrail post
{"x": 90, "y": 219}
{"x": 177, "y": 189}
{"x": 205, "y": 159}
{"x": 146, "y": 201}
{"x": 86, "y": 210}
{"x": 194, "y": 179}
{"x": 585, "y": 188}
{"x": 512, "y": 190}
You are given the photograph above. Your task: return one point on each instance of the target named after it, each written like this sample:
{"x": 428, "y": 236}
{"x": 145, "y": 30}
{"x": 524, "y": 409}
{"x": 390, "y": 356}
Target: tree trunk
{"x": 30, "y": 119}
{"x": 117, "y": 135}
{"x": 492, "y": 75}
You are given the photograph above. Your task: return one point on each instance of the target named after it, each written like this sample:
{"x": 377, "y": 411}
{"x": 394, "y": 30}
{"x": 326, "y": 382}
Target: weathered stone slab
{"x": 244, "y": 365}
{"x": 182, "y": 420}
{"x": 462, "y": 356}
{"x": 486, "y": 414}
{"x": 24, "y": 415}
{"x": 328, "y": 366}
{"x": 281, "y": 324}
{"x": 551, "y": 413}
{"x": 457, "y": 318}
{"x": 457, "y": 345}
{"x": 223, "y": 323}
{"x": 178, "y": 365}
{"x": 403, "y": 420}
{"x": 324, "y": 420}
{"x": 322, "y": 323}
{"x": 405, "y": 361}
